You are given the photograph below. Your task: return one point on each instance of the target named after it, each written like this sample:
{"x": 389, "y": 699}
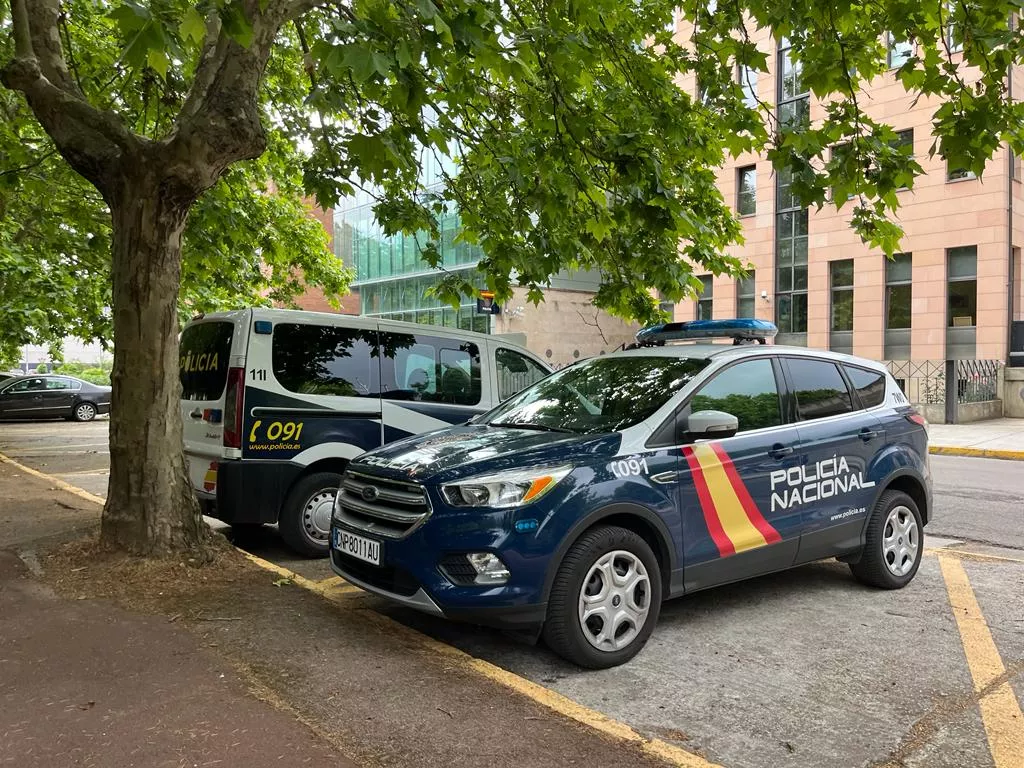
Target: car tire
{"x": 83, "y": 411}
{"x": 583, "y": 578}
{"x": 894, "y": 543}
{"x": 305, "y": 519}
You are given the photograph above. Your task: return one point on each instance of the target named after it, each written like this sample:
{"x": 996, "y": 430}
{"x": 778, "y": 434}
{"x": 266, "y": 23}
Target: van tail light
{"x": 233, "y": 410}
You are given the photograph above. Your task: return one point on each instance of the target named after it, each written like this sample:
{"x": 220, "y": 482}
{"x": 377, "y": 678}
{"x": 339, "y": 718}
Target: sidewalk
{"x": 997, "y": 439}
{"x": 116, "y": 662}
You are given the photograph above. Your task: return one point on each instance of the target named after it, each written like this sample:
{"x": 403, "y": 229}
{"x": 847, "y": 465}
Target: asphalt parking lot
{"x": 803, "y": 668}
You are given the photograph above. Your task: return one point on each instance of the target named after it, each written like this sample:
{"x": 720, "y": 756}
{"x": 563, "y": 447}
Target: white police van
{"x": 276, "y": 402}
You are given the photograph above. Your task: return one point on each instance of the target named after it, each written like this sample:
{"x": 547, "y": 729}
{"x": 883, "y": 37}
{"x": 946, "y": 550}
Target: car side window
{"x": 58, "y": 384}
{"x": 515, "y": 372}
{"x": 747, "y": 390}
{"x": 870, "y": 385}
{"x": 820, "y": 389}
{"x": 28, "y": 385}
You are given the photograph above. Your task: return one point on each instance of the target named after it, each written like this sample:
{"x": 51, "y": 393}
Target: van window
{"x": 431, "y": 369}
{"x": 203, "y": 360}
{"x": 326, "y": 360}
{"x": 515, "y": 372}
{"x": 870, "y": 385}
{"x": 820, "y": 388}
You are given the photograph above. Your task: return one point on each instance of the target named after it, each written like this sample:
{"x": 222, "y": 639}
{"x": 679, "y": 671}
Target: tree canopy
{"x": 248, "y": 240}
{"x": 569, "y": 139}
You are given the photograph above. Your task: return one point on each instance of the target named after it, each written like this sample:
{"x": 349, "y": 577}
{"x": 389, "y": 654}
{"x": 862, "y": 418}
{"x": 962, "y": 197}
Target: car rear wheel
{"x": 605, "y": 600}
{"x": 894, "y": 543}
{"x": 84, "y": 412}
{"x": 305, "y": 520}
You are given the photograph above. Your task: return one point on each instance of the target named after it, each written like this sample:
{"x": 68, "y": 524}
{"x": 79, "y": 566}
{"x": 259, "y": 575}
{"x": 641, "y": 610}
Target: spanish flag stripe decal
{"x": 725, "y": 502}
{"x": 714, "y": 525}
{"x": 771, "y": 536}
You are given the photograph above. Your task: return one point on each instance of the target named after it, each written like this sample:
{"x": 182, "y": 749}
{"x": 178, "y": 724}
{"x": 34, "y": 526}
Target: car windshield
{"x": 604, "y": 394}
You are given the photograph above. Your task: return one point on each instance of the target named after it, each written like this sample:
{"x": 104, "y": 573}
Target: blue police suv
{"x": 571, "y": 510}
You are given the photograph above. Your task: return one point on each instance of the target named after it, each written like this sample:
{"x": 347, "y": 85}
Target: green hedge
{"x": 90, "y": 373}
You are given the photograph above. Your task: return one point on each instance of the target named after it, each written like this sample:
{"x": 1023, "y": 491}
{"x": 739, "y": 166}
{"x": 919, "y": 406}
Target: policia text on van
{"x": 276, "y": 402}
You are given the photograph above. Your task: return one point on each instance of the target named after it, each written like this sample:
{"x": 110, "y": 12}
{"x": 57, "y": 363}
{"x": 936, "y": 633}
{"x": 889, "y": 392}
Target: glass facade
{"x": 790, "y": 216}
{"x": 392, "y": 279}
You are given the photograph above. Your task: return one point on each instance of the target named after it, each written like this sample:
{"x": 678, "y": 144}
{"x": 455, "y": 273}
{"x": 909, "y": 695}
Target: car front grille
{"x": 381, "y": 506}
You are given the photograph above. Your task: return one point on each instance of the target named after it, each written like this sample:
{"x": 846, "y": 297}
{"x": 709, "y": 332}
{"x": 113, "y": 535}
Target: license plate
{"x": 358, "y": 547}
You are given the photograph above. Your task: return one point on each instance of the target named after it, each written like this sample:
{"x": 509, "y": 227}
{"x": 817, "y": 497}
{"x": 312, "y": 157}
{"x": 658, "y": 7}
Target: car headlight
{"x": 504, "y": 489}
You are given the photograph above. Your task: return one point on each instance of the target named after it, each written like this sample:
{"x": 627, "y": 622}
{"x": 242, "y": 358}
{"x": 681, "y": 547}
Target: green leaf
{"x": 193, "y": 26}
{"x": 157, "y": 59}
{"x": 237, "y": 24}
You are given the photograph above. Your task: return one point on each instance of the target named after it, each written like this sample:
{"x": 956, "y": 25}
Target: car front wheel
{"x": 605, "y": 599}
{"x": 84, "y": 412}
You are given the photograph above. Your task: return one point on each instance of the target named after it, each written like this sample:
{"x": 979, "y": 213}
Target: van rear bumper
{"x": 249, "y": 491}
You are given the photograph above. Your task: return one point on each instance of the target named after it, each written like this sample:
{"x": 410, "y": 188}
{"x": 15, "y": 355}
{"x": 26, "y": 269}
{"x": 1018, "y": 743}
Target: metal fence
{"x": 977, "y": 381}
{"x": 934, "y": 382}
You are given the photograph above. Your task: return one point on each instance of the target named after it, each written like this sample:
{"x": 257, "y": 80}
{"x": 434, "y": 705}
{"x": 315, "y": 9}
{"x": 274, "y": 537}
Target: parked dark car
{"x": 51, "y": 396}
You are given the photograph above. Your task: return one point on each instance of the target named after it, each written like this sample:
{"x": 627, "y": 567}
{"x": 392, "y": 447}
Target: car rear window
{"x": 203, "y": 360}
{"x": 870, "y": 385}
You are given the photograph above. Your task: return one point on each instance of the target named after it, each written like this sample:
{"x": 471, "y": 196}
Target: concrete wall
{"x": 565, "y": 327}
{"x": 1013, "y": 392}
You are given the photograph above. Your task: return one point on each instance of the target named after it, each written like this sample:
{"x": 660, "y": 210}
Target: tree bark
{"x": 151, "y": 508}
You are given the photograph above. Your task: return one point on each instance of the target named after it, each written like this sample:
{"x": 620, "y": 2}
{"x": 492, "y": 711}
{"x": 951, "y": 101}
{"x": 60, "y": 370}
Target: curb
{"x": 977, "y": 453}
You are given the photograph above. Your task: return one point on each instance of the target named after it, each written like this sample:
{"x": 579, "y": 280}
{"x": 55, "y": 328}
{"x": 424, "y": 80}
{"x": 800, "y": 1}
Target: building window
{"x": 962, "y": 275}
{"x": 1014, "y": 165}
{"x": 790, "y": 216}
{"x": 746, "y": 191}
{"x": 899, "y": 292}
{"x": 898, "y": 52}
{"x": 841, "y": 282}
{"x": 706, "y": 298}
{"x": 747, "y": 78}
{"x": 954, "y": 35}
{"x": 956, "y": 173}
{"x": 745, "y": 296}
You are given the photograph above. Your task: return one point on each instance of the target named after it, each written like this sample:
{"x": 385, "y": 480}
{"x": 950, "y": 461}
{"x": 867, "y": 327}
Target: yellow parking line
{"x": 556, "y": 702}
{"x": 72, "y": 489}
{"x": 1000, "y": 711}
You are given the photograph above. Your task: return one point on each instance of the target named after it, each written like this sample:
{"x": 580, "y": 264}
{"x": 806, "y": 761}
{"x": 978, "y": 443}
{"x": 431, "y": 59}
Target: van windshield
{"x": 203, "y": 360}
{"x": 604, "y": 394}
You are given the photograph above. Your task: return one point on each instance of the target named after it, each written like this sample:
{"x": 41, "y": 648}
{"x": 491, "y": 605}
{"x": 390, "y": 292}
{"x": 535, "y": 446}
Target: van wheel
{"x": 605, "y": 600}
{"x": 894, "y": 543}
{"x": 305, "y": 521}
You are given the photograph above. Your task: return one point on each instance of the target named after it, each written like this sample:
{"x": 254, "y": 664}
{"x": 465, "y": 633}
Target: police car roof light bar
{"x": 740, "y": 330}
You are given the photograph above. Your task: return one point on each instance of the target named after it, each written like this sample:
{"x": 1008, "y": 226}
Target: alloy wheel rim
{"x": 85, "y": 411}
{"x": 316, "y": 515}
{"x": 615, "y": 601}
{"x": 901, "y": 541}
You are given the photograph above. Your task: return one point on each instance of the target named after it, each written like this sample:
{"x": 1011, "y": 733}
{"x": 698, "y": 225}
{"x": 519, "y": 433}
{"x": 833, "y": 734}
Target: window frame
{"x": 890, "y": 43}
{"x": 833, "y": 290}
{"x": 740, "y": 192}
{"x": 968, "y": 174}
{"x": 747, "y": 77}
{"x": 898, "y": 283}
{"x": 707, "y": 297}
{"x": 950, "y": 280}
{"x": 750, "y": 279}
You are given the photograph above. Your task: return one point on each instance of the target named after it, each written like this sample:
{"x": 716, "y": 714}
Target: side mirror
{"x": 710, "y": 425}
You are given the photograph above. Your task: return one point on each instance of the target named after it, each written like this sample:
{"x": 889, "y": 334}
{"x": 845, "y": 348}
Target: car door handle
{"x": 868, "y": 434}
{"x": 196, "y": 414}
{"x": 780, "y": 451}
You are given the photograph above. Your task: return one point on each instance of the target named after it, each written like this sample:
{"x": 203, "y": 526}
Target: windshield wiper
{"x": 538, "y": 427}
